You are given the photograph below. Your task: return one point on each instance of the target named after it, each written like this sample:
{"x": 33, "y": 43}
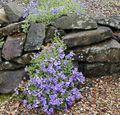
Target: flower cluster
{"x": 53, "y": 80}
{"x": 47, "y": 10}
{"x": 31, "y": 5}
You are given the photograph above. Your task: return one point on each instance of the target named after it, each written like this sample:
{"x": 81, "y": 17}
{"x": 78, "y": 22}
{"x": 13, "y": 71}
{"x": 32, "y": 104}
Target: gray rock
{"x": 3, "y": 17}
{"x": 115, "y": 17}
{"x": 13, "y": 11}
{"x": 24, "y": 59}
{"x": 99, "y": 69}
{"x": 11, "y": 28}
{"x": 115, "y": 68}
{"x": 73, "y": 21}
{"x": 9, "y": 80}
{"x": 13, "y": 46}
{"x": 35, "y": 37}
{"x": 108, "y": 52}
{"x": 10, "y": 66}
{"x": 88, "y": 37}
{"x": 113, "y": 22}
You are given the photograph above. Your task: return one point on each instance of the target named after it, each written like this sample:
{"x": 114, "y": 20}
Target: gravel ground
{"x": 103, "y": 98}
{"x": 100, "y": 96}
{"x": 101, "y": 8}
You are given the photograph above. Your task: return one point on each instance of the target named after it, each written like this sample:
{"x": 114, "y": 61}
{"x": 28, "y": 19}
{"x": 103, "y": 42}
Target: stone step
{"x": 108, "y": 51}
{"x": 99, "y": 69}
{"x": 88, "y": 37}
{"x": 113, "y": 22}
{"x": 73, "y": 21}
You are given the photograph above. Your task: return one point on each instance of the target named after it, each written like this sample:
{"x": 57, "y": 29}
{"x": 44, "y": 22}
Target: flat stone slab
{"x": 73, "y": 21}
{"x": 113, "y": 21}
{"x": 9, "y": 80}
{"x": 108, "y": 52}
{"x": 24, "y": 59}
{"x": 99, "y": 69}
{"x": 11, "y": 28}
{"x": 13, "y": 46}
{"x": 9, "y": 66}
{"x": 88, "y": 37}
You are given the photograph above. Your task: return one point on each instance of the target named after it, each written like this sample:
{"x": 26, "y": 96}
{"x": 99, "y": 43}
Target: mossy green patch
{"x": 4, "y": 97}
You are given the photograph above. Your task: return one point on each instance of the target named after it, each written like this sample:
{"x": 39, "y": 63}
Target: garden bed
{"x": 99, "y": 96}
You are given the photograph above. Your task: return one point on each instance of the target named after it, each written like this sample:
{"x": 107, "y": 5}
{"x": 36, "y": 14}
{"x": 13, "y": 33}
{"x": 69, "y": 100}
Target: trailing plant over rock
{"x": 47, "y": 10}
{"x": 53, "y": 80}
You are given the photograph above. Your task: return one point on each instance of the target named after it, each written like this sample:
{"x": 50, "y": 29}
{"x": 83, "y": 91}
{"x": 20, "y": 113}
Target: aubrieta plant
{"x": 53, "y": 80}
{"x": 48, "y": 10}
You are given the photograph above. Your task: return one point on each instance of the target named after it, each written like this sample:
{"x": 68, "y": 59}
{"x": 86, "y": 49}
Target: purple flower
{"x": 31, "y": 5}
{"x": 24, "y": 102}
{"x": 51, "y": 110}
{"x": 70, "y": 55}
{"x": 45, "y": 108}
{"x": 56, "y": 63}
{"x": 53, "y": 81}
{"x": 37, "y": 71}
{"x": 55, "y": 102}
{"x": 62, "y": 55}
{"x": 29, "y": 106}
{"x": 51, "y": 69}
{"x": 43, "y": 100}
{"x": 60, "y": 50}
{"x": 54, "y": 11}
{"x": 65, "y": 62}
{"x": 36, "y": 55}
{"x": 78, "y": 13}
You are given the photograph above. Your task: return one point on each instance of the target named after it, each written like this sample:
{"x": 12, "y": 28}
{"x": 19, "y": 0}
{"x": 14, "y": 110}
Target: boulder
{"x": 35, "y": 37}
{"x": 10, "y": 66}
{"x": 9, "y": 80}
{"x": 113, "y": 22}
{"x": 107, "y": 52}
{"x": 13, "y": 46}
{"x": 84, "y": 38}
{"x": 13, "y": 11}
{"x": 73, "y": 21}
{"x": 99, "y": 69}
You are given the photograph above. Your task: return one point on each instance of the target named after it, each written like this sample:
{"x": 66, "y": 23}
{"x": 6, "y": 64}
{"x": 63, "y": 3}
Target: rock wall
{"x": 96, "y": 44}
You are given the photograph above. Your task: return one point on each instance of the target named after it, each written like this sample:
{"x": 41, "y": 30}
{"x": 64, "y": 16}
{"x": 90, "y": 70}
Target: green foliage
{"x": 49, "y": 10}
{"x": 25, "y": 1}
{"x": 25, "y": 26}
{"x": 53, "y": 80}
